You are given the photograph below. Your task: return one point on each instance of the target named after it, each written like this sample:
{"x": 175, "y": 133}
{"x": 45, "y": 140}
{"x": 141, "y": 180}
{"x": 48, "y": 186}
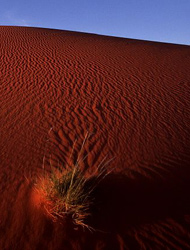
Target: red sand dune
{"x": 135, "y": 98}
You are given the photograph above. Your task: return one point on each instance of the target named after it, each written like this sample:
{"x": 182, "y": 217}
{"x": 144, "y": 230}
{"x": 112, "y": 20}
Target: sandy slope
{"x": 135, "y": 98}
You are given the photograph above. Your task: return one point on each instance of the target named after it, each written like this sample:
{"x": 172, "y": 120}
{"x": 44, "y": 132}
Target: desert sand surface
{"x": 133, "y": 96}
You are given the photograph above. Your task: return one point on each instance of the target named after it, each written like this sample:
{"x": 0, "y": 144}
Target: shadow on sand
{"x": 122, "y": 204}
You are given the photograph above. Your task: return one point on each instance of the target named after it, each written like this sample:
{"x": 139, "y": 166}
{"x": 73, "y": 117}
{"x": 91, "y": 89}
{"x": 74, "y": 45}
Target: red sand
{"x": 135, "y": 98}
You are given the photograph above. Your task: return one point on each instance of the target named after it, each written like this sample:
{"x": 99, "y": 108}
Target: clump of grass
{"x": 68, "y": 192}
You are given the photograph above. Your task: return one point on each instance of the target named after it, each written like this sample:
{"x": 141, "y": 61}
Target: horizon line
{"x": 98, "y": 34}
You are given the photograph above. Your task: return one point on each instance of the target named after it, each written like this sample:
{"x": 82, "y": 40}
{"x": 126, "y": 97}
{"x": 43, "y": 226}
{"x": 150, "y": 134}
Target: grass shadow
{"x": 122, "y": 203}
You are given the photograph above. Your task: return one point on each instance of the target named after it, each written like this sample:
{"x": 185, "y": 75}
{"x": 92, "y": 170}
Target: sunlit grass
{"x": 68, "y": 192}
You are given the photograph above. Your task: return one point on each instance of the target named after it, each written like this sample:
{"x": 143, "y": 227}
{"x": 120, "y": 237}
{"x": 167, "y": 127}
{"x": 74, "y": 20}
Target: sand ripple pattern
{"x": 133, "y": 96}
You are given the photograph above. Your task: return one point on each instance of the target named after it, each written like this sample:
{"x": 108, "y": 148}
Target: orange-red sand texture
{"x": 134, "y": 97}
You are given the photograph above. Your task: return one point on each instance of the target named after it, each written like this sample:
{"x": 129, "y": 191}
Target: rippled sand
{"x": 134, "y": 97}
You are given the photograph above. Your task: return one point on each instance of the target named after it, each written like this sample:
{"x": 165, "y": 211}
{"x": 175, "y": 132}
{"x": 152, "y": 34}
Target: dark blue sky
{"x": 156, "y": 20}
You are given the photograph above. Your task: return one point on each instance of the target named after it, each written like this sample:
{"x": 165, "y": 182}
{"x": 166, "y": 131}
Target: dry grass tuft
{"x": 68, "y": 192}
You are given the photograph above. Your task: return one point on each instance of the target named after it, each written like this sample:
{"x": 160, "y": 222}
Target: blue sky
{"x": 155, "y": 20}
